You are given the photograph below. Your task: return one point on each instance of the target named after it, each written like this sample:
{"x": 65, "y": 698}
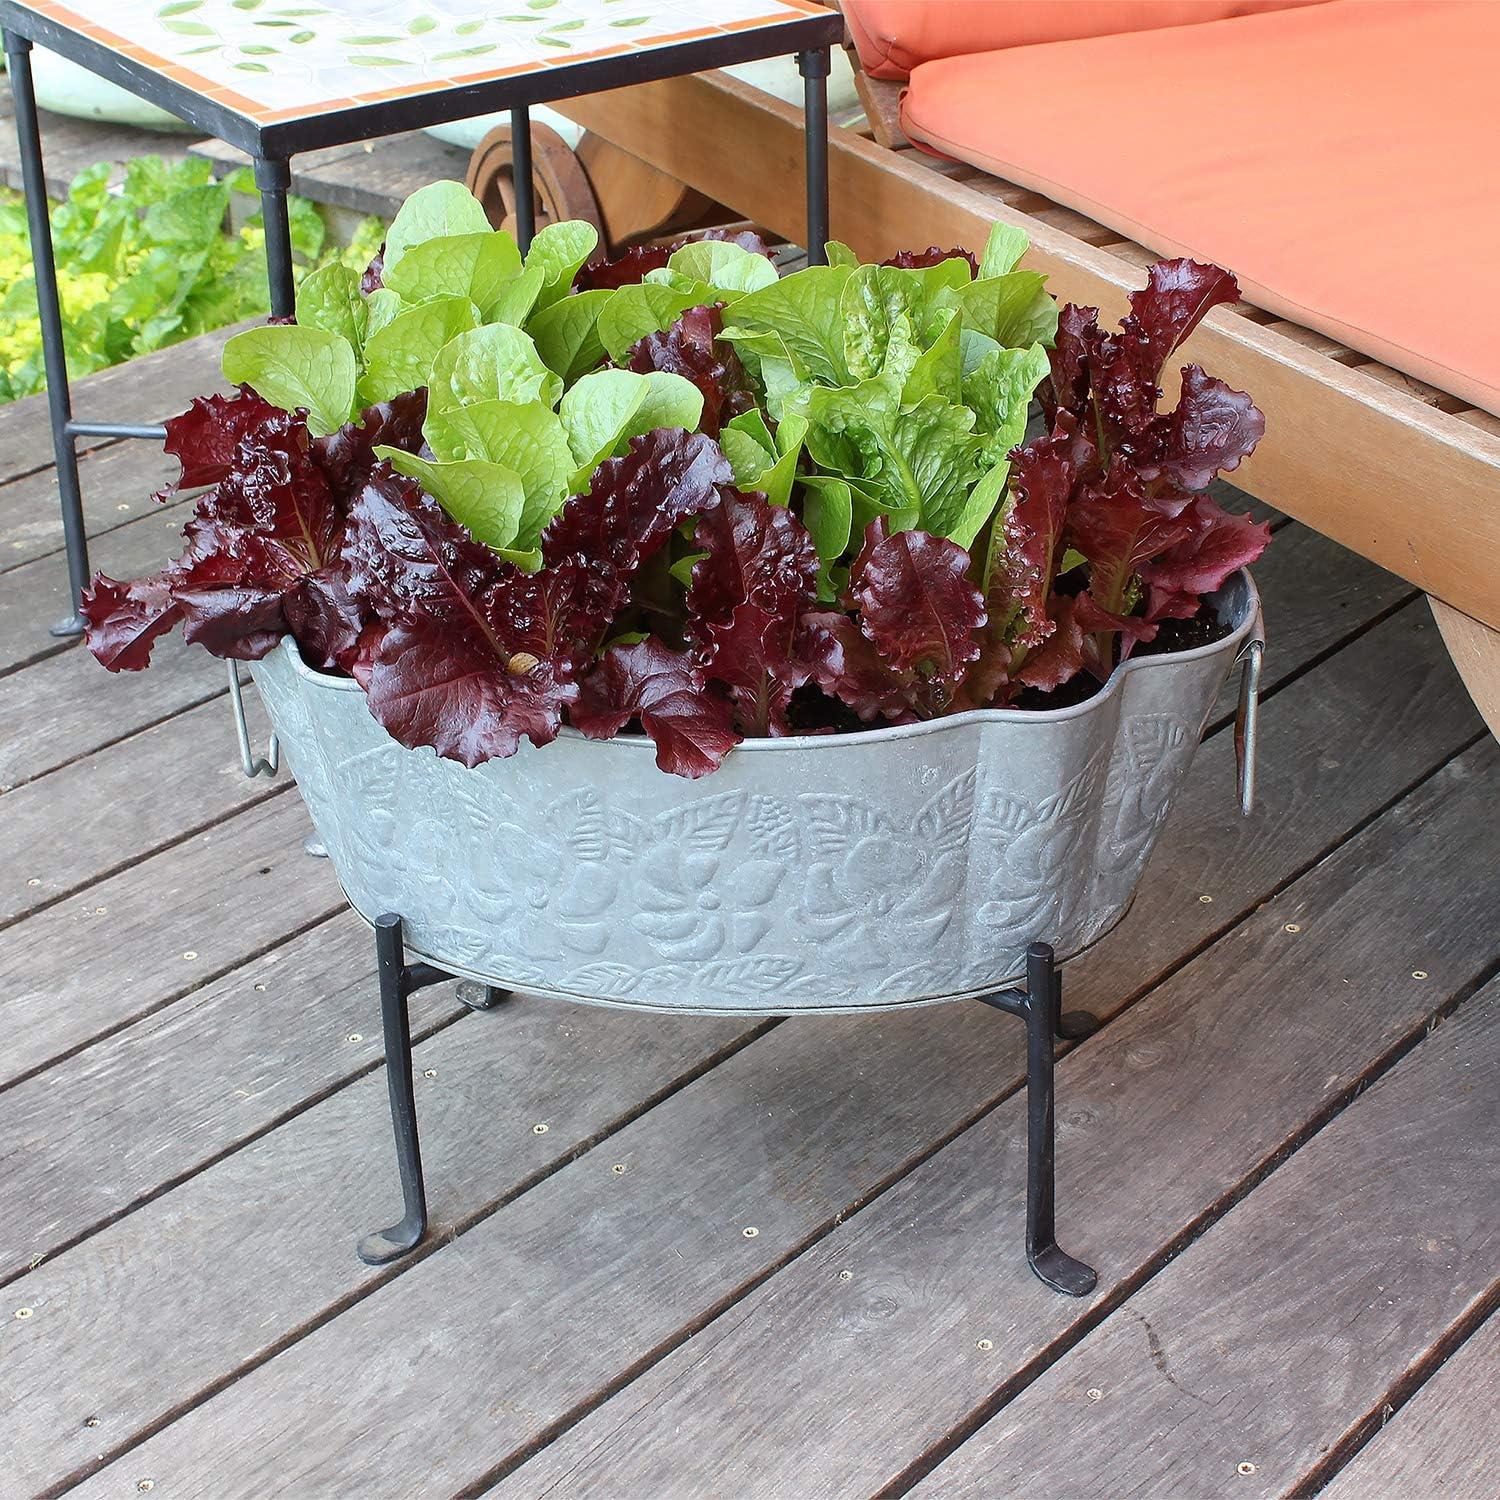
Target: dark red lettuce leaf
{"x": 688, "y": 719}
{"x": 464, "y": 663}
{"x": 124, "y": 620}
{"x": 1077, "y": 342}
{"x": 914, "y": 260}
{"x": 632, "y": 506}
{"x": 347, "y": 456}
{"x": 917, "y": 604}
{"x": 206, "y": 437}
{"x": 1118, "y": 524}
{"x": 1211, "y": 430}
{"x": 845, "y": 664}
{"x": 373, "y": 276}
{"x": 630, "y": 267}
{"x": 1043, "y": 478}
{"x": 263, "y": 557}
{"x": 1177, "y": 296}
{"x": 478, "y": 653}
{"x": 1215, "y": 546}
{"x": 1061, "y": 656}
{"x": 689, "y": 348}
{"x": 758, "y": 574}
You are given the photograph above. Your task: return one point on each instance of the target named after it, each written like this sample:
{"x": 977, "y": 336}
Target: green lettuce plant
{"x": 144, "y": 265}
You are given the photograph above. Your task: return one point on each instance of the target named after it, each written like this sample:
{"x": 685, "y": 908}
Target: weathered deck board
{"x": 67, "y": 706}
{"x": 1255, "y": 1348}
{"x": 1215, "y": 1062}
{"x": 117, "y": 482}
{"x": 781, "y": 1138}
{"x": 1445, "y": 1441}
{"x": 277, "y": 1220}
{"x": 118, "y": 949}
{"x": 91, "y": 818}
{"x": 181, "y": 1086}
{"x": 364, "y": 178}
{"x": 1440, "y": 721}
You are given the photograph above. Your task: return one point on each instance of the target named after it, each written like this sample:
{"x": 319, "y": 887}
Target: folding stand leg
{"x": 59, "y": 401}
{"x": 1040, "y": 1008}
{"x": 387, "y": 1244}
{"x": 398, "y": 982}
{"x": 520, "y": 176}
{"x": 814, "y": 67}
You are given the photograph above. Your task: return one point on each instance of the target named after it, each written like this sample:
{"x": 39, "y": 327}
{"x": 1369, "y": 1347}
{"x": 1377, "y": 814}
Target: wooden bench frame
{"x": 1398, "y": 471}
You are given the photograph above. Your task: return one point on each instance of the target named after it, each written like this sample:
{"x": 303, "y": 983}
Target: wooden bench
{"x": 1403, "y": 473}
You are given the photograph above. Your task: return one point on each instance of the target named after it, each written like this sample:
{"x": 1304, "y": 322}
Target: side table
{"x": 276, "y": 79}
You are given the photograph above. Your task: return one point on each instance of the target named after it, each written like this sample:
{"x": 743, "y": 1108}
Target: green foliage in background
{"x": 146, "y": 264}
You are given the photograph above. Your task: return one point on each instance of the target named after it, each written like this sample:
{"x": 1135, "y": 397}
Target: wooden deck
{"x": 1282, "y": 1153}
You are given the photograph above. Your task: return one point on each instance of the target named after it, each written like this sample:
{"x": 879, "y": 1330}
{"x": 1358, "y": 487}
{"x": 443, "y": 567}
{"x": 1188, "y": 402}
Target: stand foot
{"x": 386, "y": 1245}
{"x": 1062, "y": 1273}
{"x": 68, "y": 629}
{"x": 314, "y": 847}
{"x": 481, "y": 996}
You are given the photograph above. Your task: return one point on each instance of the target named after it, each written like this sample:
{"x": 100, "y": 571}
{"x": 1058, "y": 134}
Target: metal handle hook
{"x": 250, "y": 763}
{"x": 1247, "y": 721}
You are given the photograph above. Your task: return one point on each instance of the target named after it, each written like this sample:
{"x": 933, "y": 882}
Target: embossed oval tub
{"x": 892, "y": 867}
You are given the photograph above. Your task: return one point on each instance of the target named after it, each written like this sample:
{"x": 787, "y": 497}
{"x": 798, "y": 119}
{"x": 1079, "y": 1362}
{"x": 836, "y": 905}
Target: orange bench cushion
{"x": 1342, "y": 159}
{"x": 894, "y": 36}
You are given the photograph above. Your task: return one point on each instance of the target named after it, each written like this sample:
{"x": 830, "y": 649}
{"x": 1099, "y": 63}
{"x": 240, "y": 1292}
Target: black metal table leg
{"x": 273, "y": 176}
{"x": 520, "y": 176}
{"x": 1039, "y": 1006}
{"x": 814, "y": 67}
{"x": 54, "y": 357}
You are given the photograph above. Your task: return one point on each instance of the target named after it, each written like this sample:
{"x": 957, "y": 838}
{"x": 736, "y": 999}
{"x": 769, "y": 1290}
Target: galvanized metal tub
{"x": 894, "y": 867}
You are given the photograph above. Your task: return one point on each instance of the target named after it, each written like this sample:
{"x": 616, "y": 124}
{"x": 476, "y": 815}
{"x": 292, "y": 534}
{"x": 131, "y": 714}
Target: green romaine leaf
{"x": 1004, "y": 248}
{"x": 566, "y": 334}
{"x": 329, "y": 298}
{"x": 761, "y": 462}
{"x": 495, "y": 363}
{"x": 475, "y": 266}
{"x": 381, "y": 306}
{"x": 605, "y": 408}
{"x": 938, "y": 370}
{"x": 560, "y": 249}
{"x": 402, "y": 355}
{"x": 525, "y": 437}
{"x": 977, "y": 509}
{"x": 724, "y": 265}
{"x": 806, "y": 311}
{"x": 828, "y": 514}
{"x": 294, "y": 367}
{"x": 999, "y": 391}
{"x": 916, "y": 464}
{"x": 440, "y": 208}
{"x": 837, "y": 253}
{"x": 485, "y": 497}
{"x": 1013, "y": 309}
{"x": 631, "y": 312}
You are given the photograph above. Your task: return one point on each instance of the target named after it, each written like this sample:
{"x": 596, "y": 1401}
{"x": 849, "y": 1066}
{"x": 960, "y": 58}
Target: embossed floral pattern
{"x": 813, "y": 880}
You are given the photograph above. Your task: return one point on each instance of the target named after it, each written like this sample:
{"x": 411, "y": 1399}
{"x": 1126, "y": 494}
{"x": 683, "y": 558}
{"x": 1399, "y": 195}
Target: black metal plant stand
{"x": 1039, "y": 1004}
{"x": 271, "y": 145}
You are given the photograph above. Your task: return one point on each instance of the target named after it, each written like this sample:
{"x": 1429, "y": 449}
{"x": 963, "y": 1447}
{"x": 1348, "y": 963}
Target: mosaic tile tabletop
{"x": 274, "y": 60}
